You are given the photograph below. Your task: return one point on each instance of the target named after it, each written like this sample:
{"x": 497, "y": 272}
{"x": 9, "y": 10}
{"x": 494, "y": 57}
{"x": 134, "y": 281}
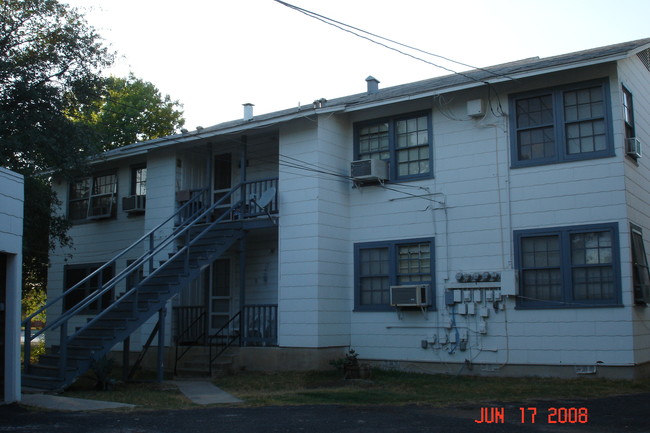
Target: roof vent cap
{"x": 248, "y": 111}
{"x": 373, "y": 85}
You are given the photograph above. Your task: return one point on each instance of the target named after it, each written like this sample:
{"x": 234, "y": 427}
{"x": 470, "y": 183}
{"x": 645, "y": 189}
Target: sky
{"x": 215, "y": 55}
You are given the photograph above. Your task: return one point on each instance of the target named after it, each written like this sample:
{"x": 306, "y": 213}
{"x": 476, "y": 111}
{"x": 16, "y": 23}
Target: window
{"x": 561, "y": 124}
{"x": 93, "y": 197}
{"x": 405, "y": 142}
{"x": 568, "y": 266}
{"x": 379, "y": 265}
{"x": 139, "y": 180}
{"x": 76, "y": 273}
{"x": 640, "y": 273}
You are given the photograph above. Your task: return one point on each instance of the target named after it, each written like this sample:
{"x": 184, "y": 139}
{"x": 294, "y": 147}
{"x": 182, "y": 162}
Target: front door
{"x": 222, "y": 182}
{"x": 220, "y": 295}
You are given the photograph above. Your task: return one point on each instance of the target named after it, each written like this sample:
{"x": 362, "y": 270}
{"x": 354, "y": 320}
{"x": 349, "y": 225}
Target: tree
{"x": 50, "y": 60}
{"x": 131, "y": 110}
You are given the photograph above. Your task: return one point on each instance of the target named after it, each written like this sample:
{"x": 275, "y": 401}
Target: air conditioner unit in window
{"x": 409, "y": 296}
{"x": 369, "y": 170}
{"x": 633, "y": 147}
{"x": 134, "y": 203}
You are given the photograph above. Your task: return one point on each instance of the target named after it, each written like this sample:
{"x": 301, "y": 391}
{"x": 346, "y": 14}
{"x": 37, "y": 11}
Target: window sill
{"x": 567, "y": 306}
{"x": 525, "y": 164}
{"x": 374, "y": 309}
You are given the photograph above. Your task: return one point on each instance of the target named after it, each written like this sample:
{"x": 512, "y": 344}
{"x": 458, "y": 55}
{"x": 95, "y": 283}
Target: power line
{"x": 346, "y": 27}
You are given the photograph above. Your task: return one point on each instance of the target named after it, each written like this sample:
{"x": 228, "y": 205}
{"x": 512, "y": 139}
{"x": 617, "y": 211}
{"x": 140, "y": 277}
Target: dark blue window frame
{"x": 558, "y": 122}
{"x": 392, "y": 247}
{"x": 565, "y": 266}
{"x": 392, "y": 149}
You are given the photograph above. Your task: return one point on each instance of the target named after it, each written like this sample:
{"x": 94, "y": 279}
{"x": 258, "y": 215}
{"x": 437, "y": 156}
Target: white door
{"x": 220, "y": 295}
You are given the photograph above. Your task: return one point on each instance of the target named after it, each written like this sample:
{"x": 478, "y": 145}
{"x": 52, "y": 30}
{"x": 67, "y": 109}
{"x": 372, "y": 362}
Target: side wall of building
{"x": 635, "y": 77}
{"x": 95, "y": 242}
{"x": 11, "y": 246}
{"x": 472, "y": 207}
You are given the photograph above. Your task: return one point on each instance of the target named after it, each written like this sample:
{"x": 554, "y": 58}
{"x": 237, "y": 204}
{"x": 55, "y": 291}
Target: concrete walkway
{"x": 201, "y": 392}
{"x": 204, "y": 392}
{"x": 56, "y": 402}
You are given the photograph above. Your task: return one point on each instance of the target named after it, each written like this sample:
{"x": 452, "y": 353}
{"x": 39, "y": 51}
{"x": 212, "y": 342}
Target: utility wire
{"x": 346, "y": 27}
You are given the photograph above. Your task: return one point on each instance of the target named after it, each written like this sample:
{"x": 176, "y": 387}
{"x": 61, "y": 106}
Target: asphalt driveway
{"x": 613, "y": 414}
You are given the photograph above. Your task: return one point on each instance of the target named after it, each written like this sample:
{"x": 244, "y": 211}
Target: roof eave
{"x": 145, "y": 147}
{"x": 495, "y": 80}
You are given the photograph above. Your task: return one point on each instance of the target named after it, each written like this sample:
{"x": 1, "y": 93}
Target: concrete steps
{"x": 196, "y": 363}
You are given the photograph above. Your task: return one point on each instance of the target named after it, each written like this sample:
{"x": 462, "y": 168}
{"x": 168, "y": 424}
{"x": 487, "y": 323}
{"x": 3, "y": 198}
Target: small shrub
{"x": 102, "y": 369}
{"x": 349, "y": 360}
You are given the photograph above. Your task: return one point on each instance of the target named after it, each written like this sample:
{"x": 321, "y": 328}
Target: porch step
{"x": 196, "y": 363}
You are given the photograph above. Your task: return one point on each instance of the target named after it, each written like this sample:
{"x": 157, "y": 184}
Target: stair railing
{"x": 189, "y": 330}
{"x": 179, "y": 232}
{"x": 221, "y": 335}
{"x": 202, "y": 213}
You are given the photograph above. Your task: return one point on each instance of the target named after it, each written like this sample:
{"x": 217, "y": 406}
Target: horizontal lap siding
{"x": 484, "y": 202}
{"x": 636, "y": 78}
{"x": 315, "y": 253}
{"x": 96, "y": 241}
{"x": 11, "y": 212}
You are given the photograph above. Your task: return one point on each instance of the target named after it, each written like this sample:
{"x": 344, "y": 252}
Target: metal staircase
{"x": 175, "y": 251}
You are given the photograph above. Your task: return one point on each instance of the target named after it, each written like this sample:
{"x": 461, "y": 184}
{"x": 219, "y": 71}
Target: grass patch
{"x": 385, "y": 387}
{"x": 144, "y": 395}
{"x": 390, "y": 387}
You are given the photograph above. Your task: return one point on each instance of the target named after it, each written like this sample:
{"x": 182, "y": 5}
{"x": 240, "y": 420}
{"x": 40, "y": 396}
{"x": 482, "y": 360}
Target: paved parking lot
{"x": 619, "y": 414}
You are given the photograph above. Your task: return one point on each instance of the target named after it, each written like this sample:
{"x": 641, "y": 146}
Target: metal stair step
{"x": 129, "y": 312}
{"x": 46, "y": 370}
{"x": 41, "y": 382}
{"x": 53, "y": 359}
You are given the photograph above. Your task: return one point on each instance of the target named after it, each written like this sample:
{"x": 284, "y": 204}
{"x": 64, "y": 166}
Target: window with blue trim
{"x": 404, "y": 141}
{"x": 561, "y": 124}
{"x": 575, "y": 266}
{"x": 379, "y": 265}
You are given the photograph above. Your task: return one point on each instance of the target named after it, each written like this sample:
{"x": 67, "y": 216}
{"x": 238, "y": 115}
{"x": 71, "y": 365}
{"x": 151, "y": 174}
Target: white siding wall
{"x": 636, "y": 78}
{"x": 476, "y": 203}
{"x": 11, "y": 245}
{"x": 315, "y": 253}
{"x": 162, "y": 179}
{"x": 261, "y": 268}
{"x": 95, "y": 242}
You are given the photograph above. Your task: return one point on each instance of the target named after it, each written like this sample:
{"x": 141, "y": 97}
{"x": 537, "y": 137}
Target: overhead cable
{"x": 346, "y": 27}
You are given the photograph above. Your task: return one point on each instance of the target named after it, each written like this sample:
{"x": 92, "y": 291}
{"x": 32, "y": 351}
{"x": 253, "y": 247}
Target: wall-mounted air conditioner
{"x": 409, "y": 296}
{"x": 369, "y": 170}
{"x": 633, "y": 147}
{"x": 134, "y": 203}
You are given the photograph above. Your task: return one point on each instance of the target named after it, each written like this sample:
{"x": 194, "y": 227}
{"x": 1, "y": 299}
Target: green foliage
{"x": 349, "y": 360}
{"x": 50, "y": 59}
{"x": 34, "y": 299}
{"x": 56, "y": 111}
{"x": 130, "y": 110}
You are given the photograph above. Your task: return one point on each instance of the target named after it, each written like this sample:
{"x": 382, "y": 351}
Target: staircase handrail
{"x": 159, "y": 248}
{"x": 228, "y": 343}
{"x": 202, "y": 214}
{"x": 98, "y": 273}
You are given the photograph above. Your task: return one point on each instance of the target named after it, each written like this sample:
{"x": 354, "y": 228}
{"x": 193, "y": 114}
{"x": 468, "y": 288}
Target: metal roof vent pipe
{"x": 373, "y": 85}
{"x": 248, "y": 111}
